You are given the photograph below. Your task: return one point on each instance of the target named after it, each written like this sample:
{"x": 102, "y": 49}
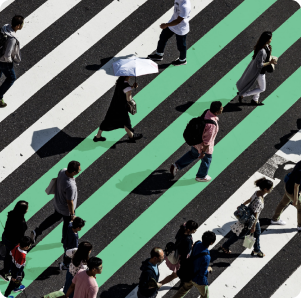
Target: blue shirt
{"x": 201, "y": 264}
{"x": 71, "y": 238}
{"x": 155, "y": 267}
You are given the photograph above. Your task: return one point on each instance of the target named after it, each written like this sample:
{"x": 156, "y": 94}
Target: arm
{"x": 70, "y": 290}
{"x": 71, "y": 208}
{"x": 93, "y": 292}
{"x": 296, "y": 194}
{"x": 70, "y": 194}
{"x": 208, "y": 136}
{"x": 9, "y": 49}
{"x": 173, "y": 23}
{"x": 129, "y": 96}
{"x": 254, "y": 225}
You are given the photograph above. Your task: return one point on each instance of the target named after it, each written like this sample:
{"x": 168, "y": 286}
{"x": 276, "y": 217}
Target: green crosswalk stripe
{"x": 186, "y": 188}
{"x": 150, "y": 97}
{"x": 114, "y": 191}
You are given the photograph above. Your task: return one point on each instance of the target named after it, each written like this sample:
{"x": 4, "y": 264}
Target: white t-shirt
{"x": 182, "y": 9}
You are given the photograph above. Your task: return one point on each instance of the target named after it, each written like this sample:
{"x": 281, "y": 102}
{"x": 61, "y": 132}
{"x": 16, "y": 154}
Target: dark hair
{"x": 25, "y": 241}
{"x": 78, "y": 223}
{"x": 73, "y": 166}
{"x": 263, "y": 183}
{"x": 21, "y": 208}
{"x": 82, "y": 253}
{"x": 215, "y": 106}
{"x": 155, "y": 252}
{"x": 208, "y": 238}
{"x": 17, "y": 20}
{"x": 189, "y": 225}
{"x": 94, "y": 262}
{"x": 263, "y": 39}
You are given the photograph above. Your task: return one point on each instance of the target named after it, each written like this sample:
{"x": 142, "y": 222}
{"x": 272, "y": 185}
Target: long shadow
{"x": 59, "y": 144}
{"x": 121, "y": 290}
{"x": 286, "y": 138}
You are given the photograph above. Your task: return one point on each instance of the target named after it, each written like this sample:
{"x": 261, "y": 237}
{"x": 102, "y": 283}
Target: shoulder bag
{"x": 271, "y": 68}
{"x": 132, "y": 107}
{"x": 50, "y": 190}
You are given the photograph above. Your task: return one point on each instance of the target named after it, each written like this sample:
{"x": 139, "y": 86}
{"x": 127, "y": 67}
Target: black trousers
{"x": 8, "y": 246}
{"x": 13, "y": 285}
{"x": 51, "y": 220}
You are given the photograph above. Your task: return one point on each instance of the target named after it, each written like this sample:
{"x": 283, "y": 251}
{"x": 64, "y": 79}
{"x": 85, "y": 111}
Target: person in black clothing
{"x": 14, "y": 231}
{"x": 117, "y": 115}
{"x": 184, "y": 243}
{"x": 148, "y": 282}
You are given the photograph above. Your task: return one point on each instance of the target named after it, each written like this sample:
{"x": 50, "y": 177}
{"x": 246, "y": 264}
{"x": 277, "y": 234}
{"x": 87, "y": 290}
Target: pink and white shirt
{"x": 209, "y": 134}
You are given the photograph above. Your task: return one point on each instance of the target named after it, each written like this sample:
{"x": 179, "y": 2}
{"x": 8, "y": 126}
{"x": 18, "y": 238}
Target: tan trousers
{"x": 287, "y": 198}
{"x": 204, "y": 290}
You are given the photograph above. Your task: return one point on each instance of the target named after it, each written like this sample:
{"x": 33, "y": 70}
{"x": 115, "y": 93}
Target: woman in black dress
{"x": 117, "y": 115}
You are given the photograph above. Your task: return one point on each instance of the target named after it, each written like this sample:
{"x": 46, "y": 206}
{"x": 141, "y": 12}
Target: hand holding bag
{"x": 50, "y": 190}
{"x": 270, "y": 68}
{"x": 249, "y": 241}
{"x": 132, "y": 106}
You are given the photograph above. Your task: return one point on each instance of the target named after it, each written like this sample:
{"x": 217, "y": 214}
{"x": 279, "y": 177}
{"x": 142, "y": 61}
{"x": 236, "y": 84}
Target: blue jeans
{"x": 8, "y": 70}
{"x": 165, "y": 35}
{"x": 68, "y": 283}
{"x": 233, "y": 238}
{"x": 192, "y": 155}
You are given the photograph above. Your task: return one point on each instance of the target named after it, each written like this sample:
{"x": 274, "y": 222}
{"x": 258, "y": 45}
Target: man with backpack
{"x": 200, "y": 134}
{"x": 195, "y": 271}
{"x": 9, "y": 54}
{"x": 148, "y": 282}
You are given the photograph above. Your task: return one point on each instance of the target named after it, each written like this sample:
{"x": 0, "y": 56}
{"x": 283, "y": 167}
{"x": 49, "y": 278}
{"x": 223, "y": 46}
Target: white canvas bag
{"x": 50, "y": 190}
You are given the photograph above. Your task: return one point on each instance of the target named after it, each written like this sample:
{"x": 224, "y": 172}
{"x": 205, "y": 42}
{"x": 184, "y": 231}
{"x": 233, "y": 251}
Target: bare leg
{"x": 169, "y": 278}
{"x": 129, "y": 133}
{"x": 99, "y": 133}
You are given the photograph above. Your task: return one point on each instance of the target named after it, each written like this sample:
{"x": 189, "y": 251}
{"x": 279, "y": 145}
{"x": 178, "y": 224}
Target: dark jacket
{"x": 15, "y": 227}
{"x": 147, "y": 273}
{"x": 183, "y": 243}
{"x": 71, "y": 239}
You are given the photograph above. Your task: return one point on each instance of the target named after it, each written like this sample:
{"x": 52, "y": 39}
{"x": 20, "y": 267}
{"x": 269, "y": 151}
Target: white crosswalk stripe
{"x": 5, "y": 3}
{"x": 77, "y": 101}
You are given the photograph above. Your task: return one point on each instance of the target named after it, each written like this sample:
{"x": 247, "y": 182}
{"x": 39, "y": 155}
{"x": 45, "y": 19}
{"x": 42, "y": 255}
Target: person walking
{"x": 200, "y": 266}
{"x": 14, "y": 230}
{"x": 255, "y": 72}
{"x": 292, "y": 194}
{"x": 184, "y": 243}
{"x": 18, "y": 262}
{"x": 238, "y": 229}
{"x": 178, "y": 25}
{"x": 71, "y": 240}
{"x": 9, "y": 54}
{"x": 148, "y": 281}
{"x": 118, "y": 115}
{"x": 79, "y": 259}
{"x": 84, "y": 283}
{"x": 205, "y": 149}
{"x": 65, "y": 200}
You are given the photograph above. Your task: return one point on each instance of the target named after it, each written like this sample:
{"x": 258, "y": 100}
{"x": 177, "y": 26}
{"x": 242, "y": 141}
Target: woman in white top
{"x": 256, "y": 204}
{"x": 80, "y": 257}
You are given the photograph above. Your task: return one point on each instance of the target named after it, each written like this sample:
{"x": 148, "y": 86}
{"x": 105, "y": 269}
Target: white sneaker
{"x": 173, "y": 170}
{"x": 278, "y": 222}
{"x": 206, "y": 179}
{"x": 63, "y": 266}
{"x": 33, "y": 236}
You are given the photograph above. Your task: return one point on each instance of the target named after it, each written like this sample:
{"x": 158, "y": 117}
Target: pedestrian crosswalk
{"x": 113, "y": 190}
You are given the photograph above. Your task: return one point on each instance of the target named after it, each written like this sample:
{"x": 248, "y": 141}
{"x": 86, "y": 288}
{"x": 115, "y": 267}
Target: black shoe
{"x": 256, "y": 103}
{"x": 2, "y": 103}
{"x": 178, "y": 62}
{"x": 101, "y": 139}
{"x": 155, "y": 57}
{"x": 136, "y": 136}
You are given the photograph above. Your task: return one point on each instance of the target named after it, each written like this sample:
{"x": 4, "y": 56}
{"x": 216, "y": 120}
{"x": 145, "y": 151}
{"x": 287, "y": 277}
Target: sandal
{"x": 225, "y": 250}
{"x": 259, "y": 254}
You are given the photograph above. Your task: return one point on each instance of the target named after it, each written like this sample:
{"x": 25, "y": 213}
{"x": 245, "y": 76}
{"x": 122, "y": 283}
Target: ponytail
{"x": 264, "y": 183}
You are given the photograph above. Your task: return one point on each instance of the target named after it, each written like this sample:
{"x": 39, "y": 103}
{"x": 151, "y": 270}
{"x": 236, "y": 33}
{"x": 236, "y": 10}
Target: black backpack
{"x": 3, "y": 41}
{"x": 186, "y": 272}
{"x": 193, "y": 133}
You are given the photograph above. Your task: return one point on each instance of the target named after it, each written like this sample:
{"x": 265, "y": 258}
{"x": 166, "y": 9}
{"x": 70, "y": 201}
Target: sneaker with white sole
{"x": 178, "y": 62}
{"x": 206, "y": 179}
{"x": 63, "y": 266}
{"x": 20, "y": 288}
{"x": 155, "y": 57}
{"x": 33, "y": 236}
{"x": 278, "y": 222}
{"x": 173, "y": 170}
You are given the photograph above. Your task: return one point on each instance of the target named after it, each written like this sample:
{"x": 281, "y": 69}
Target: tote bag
{"x": 50, "y": 190}
{"x": 249, "y": 241}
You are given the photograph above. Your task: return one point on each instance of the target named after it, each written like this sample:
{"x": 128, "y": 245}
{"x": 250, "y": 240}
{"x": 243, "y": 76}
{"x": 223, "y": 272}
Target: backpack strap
{"x": 209, "y": 121}
{"x": 198, "y": 255}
